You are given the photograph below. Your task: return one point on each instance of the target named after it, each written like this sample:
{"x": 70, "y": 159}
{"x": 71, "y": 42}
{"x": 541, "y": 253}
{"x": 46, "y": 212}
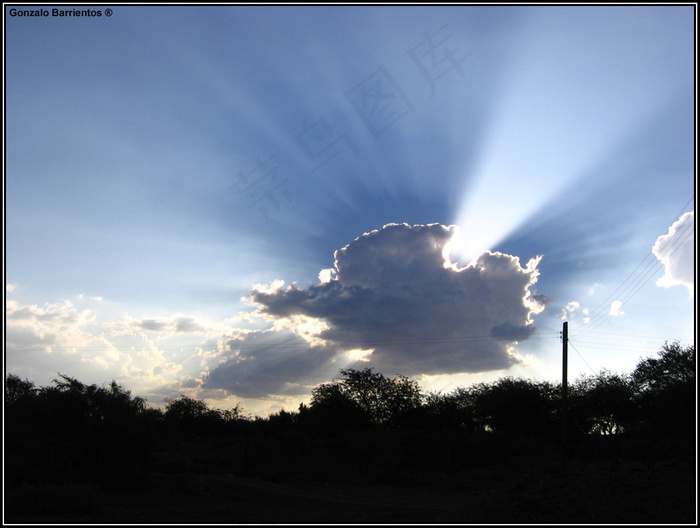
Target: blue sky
{"x": 168, "y": 167}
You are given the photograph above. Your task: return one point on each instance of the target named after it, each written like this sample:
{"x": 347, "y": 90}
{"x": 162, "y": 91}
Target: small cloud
{"x": 615, "y": 310}
{"x": 187, "y": 325}
{"x": 175, "y": 324}
{"x": 357, "y": 354}
{"x": 152, "y": 325}
{"x": 326, "y": 275}
{"x": 593, "y": 289}
{"x": 586, "y": 316}
{"x": 10, "y": 288}
{"x": 676, "y": 250}
{"x": 569, "y": 310}
{"x": 82, "y": 296}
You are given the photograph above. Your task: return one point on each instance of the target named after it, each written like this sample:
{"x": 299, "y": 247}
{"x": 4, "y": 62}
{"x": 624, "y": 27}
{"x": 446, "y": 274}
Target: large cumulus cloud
{"x": 394, "y": 291}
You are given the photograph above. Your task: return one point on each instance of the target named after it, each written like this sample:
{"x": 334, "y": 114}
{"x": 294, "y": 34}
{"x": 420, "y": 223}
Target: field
{"x": 88, "y": 455}
{"x": 607, "y": 492}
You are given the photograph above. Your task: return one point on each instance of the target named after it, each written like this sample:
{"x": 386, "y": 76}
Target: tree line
{"x": 74, "y": 432}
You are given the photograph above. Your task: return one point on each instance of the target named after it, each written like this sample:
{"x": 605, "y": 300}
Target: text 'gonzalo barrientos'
{"x": 59, "y": 12}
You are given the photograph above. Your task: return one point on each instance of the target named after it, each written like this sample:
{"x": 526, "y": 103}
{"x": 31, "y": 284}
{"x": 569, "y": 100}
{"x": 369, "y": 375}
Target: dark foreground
{"x": 606, "y": 492}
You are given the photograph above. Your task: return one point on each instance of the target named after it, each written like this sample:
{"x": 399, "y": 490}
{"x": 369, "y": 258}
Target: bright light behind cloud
{"x": 394, "y": 295}
{"x": 537, "y": 141}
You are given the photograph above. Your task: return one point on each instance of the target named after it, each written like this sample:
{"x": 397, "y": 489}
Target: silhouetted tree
{"x": 515, "y": 407}
{"x": 602, "y": 404}
{"x": 192, "y": 416}
{"x": 666, "y": 393}
{"x": 332, "y": 411}
{"x": 383, "y": 400}
{"x": 283, "y": 420}
{"x": 233, "y": 414}
{"x": 76, "y": 432}
{"x": 18, "y": 390}
{"x": 675, "y": 365}
{"x": 453, "y": 411}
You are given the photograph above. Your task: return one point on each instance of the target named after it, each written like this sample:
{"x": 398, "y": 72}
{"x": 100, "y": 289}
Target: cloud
{"x": 171, "y": 325}
{"x": 394, "y": 301}
{"x": 58, "y": 325}
{"x": 82, "y": 296}
{"x": 272, "y": 362}
{"x": 569, "y": 312}
{"x": 676, "y": 250}
{"x": 615, "y": 309}
{"x": 593, "y": 289}
{"x": 60, "y": 336}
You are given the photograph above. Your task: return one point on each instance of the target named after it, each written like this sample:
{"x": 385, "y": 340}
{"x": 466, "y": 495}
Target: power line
{"x": 579, "y": 355}
{"x": 647, "y": 256}
{"x": 599, "y": 346}
{"x": 642, "y": 281}
{"x": 601, "y": 341}
{"x": 665, "y": 251}
{"x": 597, "y": 316}
{"x": 285, "y": 344}
{"x": 616, "y": 341}
{"x": 626, "y": 336}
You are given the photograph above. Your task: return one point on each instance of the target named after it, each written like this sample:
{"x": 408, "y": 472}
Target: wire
{"x": 648, "y": 273}
{"x": 595, "y": 337}
{"x": 626, "y": 336}
{"x": 638, "y": 282}
{"x": 579, "y": 354}
{"x": 639, "y": 285}
{"x": 469, "y": 339}
{"x": 605, "y": 301}
{"x": 649, "y": 349}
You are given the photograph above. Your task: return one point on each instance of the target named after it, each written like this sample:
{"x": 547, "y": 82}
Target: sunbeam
{"x": 548, "y": 127}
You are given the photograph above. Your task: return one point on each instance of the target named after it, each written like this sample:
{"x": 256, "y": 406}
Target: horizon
{"x": 242, "y": 412}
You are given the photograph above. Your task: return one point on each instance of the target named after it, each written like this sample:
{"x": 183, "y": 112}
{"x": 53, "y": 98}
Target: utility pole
{"x": 564, "y": 392}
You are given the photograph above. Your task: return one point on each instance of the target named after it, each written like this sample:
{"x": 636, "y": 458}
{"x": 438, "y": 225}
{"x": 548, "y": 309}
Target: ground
{"x": 601, "y": 492}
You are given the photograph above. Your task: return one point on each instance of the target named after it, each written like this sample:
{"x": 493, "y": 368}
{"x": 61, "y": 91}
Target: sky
{"x": 234, "y": 203}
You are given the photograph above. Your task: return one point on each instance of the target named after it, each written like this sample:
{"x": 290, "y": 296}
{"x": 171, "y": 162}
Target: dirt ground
{"x": 617, "y": 492}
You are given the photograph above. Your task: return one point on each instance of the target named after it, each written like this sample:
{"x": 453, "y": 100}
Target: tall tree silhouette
{"x": 76, "y": 432}
{"x": 515, "y": 407}
{"x": 194, "y": 416}
{"x": 382, "y": 400}
{"x": 602, "y": 404}
{"x": 666, "y": 392}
